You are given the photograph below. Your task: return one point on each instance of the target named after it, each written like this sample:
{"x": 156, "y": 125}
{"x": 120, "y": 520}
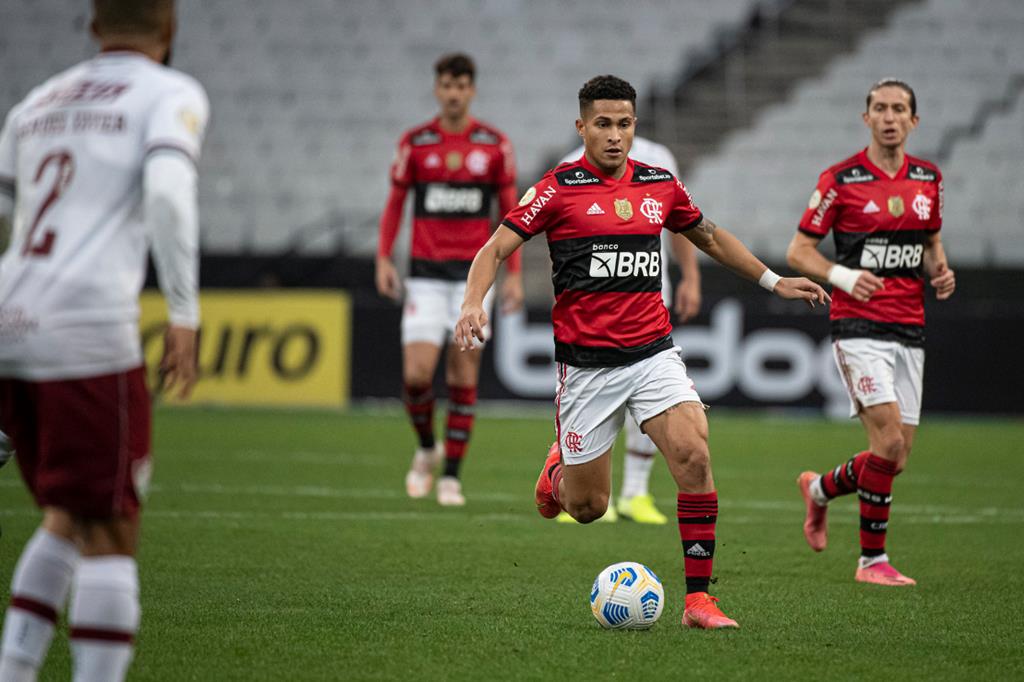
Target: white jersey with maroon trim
{"x": 879, "y": 224}
{"x": 72, "y": 154}
{"x": 604, "y": 238}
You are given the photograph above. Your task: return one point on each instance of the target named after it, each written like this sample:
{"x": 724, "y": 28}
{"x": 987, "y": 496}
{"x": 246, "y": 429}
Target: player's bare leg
{"x": 890, "y": 441}
{"x": 585, "y": 488}
{"x": 419, "y": 362}
{"x": 462, "y": 372}
{"x": 681, "y": 433}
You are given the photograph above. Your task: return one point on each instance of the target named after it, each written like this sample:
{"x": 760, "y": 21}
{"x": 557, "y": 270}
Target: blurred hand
{"x": 867, "y": 284}
{"x": 388, "y": 282}
{"x": 512, "y": 292}
{"x": 470, "y": 325}
{"x": 178, "y": 365}
{"x": 801, "y": 288}
{"x": 944, "y": 282}
{"x": 687, "y": 300}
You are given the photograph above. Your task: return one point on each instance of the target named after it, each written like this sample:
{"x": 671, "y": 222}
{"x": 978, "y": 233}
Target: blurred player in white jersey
{"x": 96, "y": 165}
{"x": 636, "y": 502}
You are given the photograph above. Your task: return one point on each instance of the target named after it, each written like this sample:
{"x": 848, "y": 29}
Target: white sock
{"x": 104, "y": 617}
{"x": 39, "y": 590}
{"x": 866, "y": 561}
{"x": 636, "y": 474}
{"x": 818, "y": 493}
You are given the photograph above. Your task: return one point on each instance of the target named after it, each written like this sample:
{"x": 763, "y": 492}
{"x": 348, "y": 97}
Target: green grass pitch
{"x": 280, "y": 546}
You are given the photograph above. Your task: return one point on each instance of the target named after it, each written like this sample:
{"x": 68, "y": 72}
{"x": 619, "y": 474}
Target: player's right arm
{"x": 803, "y": 256}
{"x": 482, "y": 273}
{"x": 7, "y": 168}
{"x": 386, "y": 274}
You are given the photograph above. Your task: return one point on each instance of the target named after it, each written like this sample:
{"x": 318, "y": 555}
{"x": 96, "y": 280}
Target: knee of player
{"x": 591, "y": 509}
{"x": 691, "y": 453}
{"x": 894, "y": 448}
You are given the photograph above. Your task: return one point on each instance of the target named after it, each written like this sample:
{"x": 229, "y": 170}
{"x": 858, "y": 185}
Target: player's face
{"x": 888, "y": 116}
{"x": 607, "y": 128}
{"x": 454, "y": 93}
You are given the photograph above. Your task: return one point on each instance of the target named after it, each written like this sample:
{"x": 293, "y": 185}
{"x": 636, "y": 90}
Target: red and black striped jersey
{"x": 880, "y": 224}
{"x": 455, "y": 178}
{"x": 604, "y": 236}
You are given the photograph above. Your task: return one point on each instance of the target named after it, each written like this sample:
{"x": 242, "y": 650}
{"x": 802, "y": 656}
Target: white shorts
{"x": 591, "y": 402}
{"x": 432, "y": 308}
{"x": 877, "y": 372}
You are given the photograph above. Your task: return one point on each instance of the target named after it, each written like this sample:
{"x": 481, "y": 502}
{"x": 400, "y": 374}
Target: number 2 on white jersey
{"x": 65, "y": 166}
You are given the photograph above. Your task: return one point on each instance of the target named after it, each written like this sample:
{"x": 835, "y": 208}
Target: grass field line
{"x": 936, "y": 512}
{"x": 461, "y": 516}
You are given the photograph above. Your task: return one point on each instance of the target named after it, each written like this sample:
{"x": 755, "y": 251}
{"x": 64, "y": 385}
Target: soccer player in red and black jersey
{"x": 456, "y": 167}
{"x": 603, "y": 216}
{"x": 884, "y": 208}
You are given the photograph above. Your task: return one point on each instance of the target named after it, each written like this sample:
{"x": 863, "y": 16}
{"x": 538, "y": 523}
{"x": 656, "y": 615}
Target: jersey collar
{"x": 470, "y": 125}
{"x": 881, "y": 174}
{"x": 626, "y": 177}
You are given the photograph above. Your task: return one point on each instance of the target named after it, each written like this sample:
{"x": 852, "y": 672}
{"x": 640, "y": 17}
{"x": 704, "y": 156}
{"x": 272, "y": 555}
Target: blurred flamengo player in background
{"x": 884, "y": 208}
{"x": 456, "y": 166}
{"x": 636, "y": 502}
{"x": 95, "y": 164}
{"x": 613, "y": 337}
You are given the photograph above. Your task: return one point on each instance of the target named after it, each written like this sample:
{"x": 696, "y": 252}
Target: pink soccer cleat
{"x": 547, "y": 505}
{"x": 883, "y": 573}
{"x": 815, "y": 523}
{"x": 702, "y": 612}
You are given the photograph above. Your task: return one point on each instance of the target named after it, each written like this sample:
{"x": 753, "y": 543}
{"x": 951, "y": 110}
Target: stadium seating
{"x": 961, "y": 59}
{"x": 309, "y": 98}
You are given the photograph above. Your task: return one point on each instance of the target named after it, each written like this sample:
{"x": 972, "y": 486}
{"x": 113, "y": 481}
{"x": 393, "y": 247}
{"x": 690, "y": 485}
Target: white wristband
{"x": 769, "y": 279}
{"x": 843, "y": 277}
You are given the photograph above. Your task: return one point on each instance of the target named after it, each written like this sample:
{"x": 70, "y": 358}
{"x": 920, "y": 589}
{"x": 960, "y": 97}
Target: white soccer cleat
{"x": 421, "y": 472}
{"x": 449, "y": 492}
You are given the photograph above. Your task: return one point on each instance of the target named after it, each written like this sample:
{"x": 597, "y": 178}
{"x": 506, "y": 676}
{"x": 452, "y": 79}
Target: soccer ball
{"x": 627, "y": 595}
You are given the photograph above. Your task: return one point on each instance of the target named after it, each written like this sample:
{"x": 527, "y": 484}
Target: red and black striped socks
{"x": 874, "y": 488}
{"x": 419, "y": 403}
{"x": 461, "y": 411}
{"x": 697, "y": 514}
{"x": 843, "y": 479}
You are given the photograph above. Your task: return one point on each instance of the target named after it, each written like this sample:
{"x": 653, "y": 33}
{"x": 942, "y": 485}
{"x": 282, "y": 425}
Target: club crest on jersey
{"x": 922, "y": 206}
{"x": 651, "y": 209}
{"x": 453, "y": 161}
{"x": 896, "y": 206}
{"x": 477, "y": 162}
{"x": 623, "y": 209}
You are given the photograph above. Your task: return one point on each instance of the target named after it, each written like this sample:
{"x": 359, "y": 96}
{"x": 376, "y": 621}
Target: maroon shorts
{"x": 81, "y": 444}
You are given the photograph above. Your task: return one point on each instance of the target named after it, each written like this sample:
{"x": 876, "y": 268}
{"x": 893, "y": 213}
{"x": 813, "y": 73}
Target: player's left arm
{"x": 941, "y": 276}
{"x": 512, "y": 286}
{"x": 170, "y": 203}
{"x": 730, "y": 252}
{"x": 686, "y": 302}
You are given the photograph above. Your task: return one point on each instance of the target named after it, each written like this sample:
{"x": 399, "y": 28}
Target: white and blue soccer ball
{"x": 627, "y": 595}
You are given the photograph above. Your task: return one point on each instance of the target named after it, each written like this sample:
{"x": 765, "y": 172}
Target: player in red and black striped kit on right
{"x": 603, "y": 216}
{"x": 884, "y": 208}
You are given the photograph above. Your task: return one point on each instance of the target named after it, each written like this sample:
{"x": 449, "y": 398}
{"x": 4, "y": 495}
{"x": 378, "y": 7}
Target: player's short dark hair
{"x": 896, "y": 83}
{"x": 143, "y": 17}
{"x": 456, "y": 64}
{"x": 606, "y": 87}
